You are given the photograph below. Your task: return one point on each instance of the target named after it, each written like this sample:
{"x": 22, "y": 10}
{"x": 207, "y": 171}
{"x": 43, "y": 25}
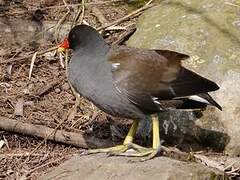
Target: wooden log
{"x": 70, "y": 138}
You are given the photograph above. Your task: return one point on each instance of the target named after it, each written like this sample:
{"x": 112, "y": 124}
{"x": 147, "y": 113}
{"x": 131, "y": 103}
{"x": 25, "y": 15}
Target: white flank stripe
{"x": 155, "y": 100}
{"x": 115, "y": 65}
{"x": 198, "y": 98}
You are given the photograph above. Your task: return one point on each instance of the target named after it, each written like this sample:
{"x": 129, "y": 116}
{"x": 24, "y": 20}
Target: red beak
{"x": 65, "y": 44}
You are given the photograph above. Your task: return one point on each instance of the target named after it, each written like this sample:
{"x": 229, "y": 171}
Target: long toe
{"x": 135, "y": 150}
{"x": 118, "y": 148}
{"x": 153, "y": 153}
{"x": 130, "y": 149}
{"x": 147, "y": 154}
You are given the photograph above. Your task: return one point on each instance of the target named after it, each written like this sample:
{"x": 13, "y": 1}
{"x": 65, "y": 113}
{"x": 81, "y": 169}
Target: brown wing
{"x": 147, "y": 74}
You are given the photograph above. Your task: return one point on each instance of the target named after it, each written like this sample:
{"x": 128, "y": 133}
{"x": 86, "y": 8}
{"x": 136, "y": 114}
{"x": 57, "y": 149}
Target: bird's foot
{"x": 114, "y": 149}
{"x": 145, "y": 153}
{"x": 130, "y": 149}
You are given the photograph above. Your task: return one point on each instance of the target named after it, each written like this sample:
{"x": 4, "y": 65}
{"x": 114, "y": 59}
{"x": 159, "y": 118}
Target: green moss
{"x": 208, "y": 29}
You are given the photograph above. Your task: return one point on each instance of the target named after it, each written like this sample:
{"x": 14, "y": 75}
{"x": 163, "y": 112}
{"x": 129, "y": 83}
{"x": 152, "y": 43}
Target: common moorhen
{"x": 133, "y": 83}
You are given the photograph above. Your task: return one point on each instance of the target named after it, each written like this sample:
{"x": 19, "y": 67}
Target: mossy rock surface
{"x": 100, "y": 167}
{"x": 208, "y": 31}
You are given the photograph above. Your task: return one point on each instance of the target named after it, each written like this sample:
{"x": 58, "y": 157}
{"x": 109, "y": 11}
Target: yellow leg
{"x": 156, "y": 139}
{"x": 121, "y": 150}
{"x": 131, "y": 133}
{"x": 156, "y": 135}
{"x": 151, "y": 152}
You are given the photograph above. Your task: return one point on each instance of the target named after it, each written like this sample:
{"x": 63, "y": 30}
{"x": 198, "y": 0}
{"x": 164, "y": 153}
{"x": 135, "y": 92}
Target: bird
{"x": 133, "y": 83}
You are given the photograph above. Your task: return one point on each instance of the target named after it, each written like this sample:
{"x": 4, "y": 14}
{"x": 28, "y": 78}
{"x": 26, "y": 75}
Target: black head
{"x": 84, "y": 36}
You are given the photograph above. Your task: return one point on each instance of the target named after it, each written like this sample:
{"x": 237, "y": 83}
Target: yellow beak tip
{"x": 61, "y": 49}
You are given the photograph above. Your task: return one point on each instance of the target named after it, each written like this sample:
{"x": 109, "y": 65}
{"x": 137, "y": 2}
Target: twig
{"x": 98, "y": 14}
{"x": 31, "y": 65}
{"x": 58, "y": 25}
{"x": 80, "y": 8}
{"x": 199, "y": 158}
{"x": 46, "y": 89}
{"x": 75, "y": 139}
{"x": 73, "y": 111}
{"x": 83, "y": 12}
{"x": 175, "y": 153}
{"x": 61, "y": 60}
{"x": 134, "y": 13}
{"x": 43, "y": 165}
{"x": 70, "y": 5}
{"x": 86, "y": 4}
{"x": 50, "y": 133}
{"x": 18, "y": 155}
{"x": 208, "y": 162}
{"x": 20, "y": 59}
{"x": 124, "y": 36}
{"x": 232, "y": 4}
{"x": 230, "y": 165}
{"x": 2, "y": 142}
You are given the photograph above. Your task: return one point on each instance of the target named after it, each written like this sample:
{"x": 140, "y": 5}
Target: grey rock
{"x": 20, "y": 32}
{"x": 94, "y": 167}
{"x": 209, "y": 31}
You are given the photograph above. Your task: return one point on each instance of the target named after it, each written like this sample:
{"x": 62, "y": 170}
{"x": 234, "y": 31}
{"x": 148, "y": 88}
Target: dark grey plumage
{"x": 132, "y": 82}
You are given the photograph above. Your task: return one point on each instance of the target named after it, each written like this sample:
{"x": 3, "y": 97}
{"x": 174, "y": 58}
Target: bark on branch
{"x": 75, "y": 139}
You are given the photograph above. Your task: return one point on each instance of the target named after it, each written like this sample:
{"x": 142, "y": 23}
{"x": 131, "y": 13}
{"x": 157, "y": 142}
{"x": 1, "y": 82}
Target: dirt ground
{"x": 23, "y": 157}
{"x": 51, "y": 108}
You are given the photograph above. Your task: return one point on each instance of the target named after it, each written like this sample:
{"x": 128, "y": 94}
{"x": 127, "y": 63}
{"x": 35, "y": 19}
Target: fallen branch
{"x": 70, "y": 138}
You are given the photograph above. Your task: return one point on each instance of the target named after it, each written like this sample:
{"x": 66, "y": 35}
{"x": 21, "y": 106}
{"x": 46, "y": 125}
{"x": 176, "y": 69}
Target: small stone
{"x": 57, "y": 90}
{"x": 65, "y": 86}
